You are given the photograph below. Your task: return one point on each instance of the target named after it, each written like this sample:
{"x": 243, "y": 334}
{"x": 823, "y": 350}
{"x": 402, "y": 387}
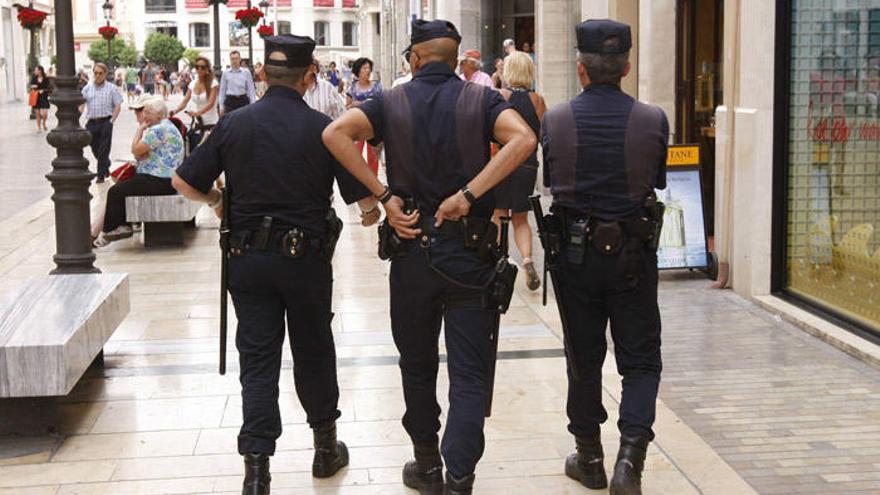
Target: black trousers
{"x": 595, "y": 292}
{"x": 102, "y": 139}
{"x": 234, "y": 102}
{"x": 420, "y": 300}
{"x": 268, "y": 290}
{"x": 137, "y": 185}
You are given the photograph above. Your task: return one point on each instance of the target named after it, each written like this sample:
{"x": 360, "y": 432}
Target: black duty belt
{"x": 291, "y": 242}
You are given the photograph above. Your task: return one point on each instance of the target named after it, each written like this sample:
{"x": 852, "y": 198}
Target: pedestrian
{"x": 437, "y": 130}
{"x": 158, "y": 150}
{"x": 321, "y": 95}
{"x": 509, "y": 46}
{"x": 40, "y": 83}
{"x": 236, "y": 86}
{"x": 332, "y": 75}
{"x": 512, "y": 194}
{"x": 148, "y": 79}
{"x": 260, "y": 85}
{"x": 471, "y": 66}
{"x": 498, "y": 75}
{"x": 604, "y": 156}
{"x": 103, "y": 101}
{"x": 280, "y": 180}
{"x": 131, "y": 82}
{"x": 200, "y": 103}
{"x": 363, "y": 88}
{"x": 184, "y": 79}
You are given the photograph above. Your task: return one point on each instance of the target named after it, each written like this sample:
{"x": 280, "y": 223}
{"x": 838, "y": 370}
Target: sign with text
{"x": 682, "y": 155}
{"x": 683, "y": 238}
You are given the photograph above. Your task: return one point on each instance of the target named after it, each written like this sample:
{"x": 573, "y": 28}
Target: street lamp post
{"x": 108, "y": 10}
{"x": 70, "y": 176}
{"x": 32, "y": 59}
{"x": 217, "y": 39}
{"x": 264, "y": 8}
{"x": 250, "y": 42}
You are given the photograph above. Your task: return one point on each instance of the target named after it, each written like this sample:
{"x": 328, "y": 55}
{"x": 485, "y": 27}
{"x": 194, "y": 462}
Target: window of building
{"x": 199, "y": 34}
{"x": 322, "y": 33}
{"x": 284, "y": 27}
{"x": 160, "y": 6}
{"x": 349, "y": 4}
{"x": 349, "y": 34}
{"x": 164, "y": 27}
{"x": 323, "y": 3}
{"x": 830, "y": 252}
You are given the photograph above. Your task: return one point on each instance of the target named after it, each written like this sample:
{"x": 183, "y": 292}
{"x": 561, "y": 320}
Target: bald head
{"x": 437, "y": 50}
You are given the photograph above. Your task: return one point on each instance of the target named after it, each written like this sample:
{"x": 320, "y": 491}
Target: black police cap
{"x": 423, "y": 31}
{"x": 592, "y": 35}
{"x": 297, "y": 49}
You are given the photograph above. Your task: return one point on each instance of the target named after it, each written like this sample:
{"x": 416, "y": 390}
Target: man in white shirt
{"x": 322, "y": 95}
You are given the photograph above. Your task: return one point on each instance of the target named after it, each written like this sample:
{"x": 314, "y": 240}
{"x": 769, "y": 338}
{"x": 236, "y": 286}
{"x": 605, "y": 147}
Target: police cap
{"x": 592, "y": 35}
{"x": 423, "y": 31}
{"x": 297, "y": 50}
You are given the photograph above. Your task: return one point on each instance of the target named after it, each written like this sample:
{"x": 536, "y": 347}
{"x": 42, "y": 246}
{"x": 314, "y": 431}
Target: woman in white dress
{"x": 200, "y": 103}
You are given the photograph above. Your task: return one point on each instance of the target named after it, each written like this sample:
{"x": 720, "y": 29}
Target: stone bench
{"x": 163, "y": 217}
{"x": 53, "y": 327}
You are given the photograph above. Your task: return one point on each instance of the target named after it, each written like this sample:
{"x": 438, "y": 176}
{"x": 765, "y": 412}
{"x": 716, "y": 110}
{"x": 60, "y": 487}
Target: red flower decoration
{"x": 31, "y": 18}
{"x": 108, "y": 32}
{"x": 248, "y": 17}
{"x": 265, "y": 30}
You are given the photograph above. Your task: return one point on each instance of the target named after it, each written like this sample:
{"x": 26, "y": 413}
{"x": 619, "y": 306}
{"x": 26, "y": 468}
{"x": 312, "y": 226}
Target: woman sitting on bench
{"x": 158, "y": 149}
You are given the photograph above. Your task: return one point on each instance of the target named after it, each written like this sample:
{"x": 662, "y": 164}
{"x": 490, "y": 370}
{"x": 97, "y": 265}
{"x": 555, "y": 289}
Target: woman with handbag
{"x": 158, "y": 148}
{"x": 39, "y": 97}
{"x": 200, "y": 103}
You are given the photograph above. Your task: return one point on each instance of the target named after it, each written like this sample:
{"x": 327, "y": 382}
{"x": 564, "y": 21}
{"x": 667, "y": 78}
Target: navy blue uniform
{"x": 276, "y": 165}
{"x": 436, "y": 131}
{"x": 604, "y": 153}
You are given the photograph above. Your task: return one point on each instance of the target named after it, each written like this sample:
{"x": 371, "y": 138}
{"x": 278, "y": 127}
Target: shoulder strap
{"x": 560, "y": 145}
{"x": 469, "y": 121}
{"x": 398, "y": 136}
{"x": 643, "y": 148}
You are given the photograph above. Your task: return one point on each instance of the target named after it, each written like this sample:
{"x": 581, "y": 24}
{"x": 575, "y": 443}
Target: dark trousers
{"x": 420, "y": 300}
{"x": 102, "y": 138}
{"x": 137, "y": 185}
{"x": 595, "y": 292}
{"x": 267, "y": 290}
{"x": 234, "y": 102}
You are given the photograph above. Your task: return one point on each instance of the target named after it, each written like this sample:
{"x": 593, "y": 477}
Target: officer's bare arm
{"x": 193, "y": 194}
{"x": 339, "y": 138}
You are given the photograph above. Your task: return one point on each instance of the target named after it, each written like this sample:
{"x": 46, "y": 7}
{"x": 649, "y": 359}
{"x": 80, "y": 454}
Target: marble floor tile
{"x": 161, "y": 414}
{"x": 55, "y": 473}
{"x": 127, "y": 445}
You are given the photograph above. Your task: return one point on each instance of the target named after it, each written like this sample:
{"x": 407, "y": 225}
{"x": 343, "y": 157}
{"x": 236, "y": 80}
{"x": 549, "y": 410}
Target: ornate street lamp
{"x": 108, "y": 11}
{"x": 70, "y": 176}
{"x": 264, "y": 8}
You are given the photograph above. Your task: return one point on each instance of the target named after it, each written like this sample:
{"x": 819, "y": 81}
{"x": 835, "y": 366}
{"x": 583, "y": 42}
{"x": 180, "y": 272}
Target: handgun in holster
{"x": 331, "y": 235}
{"x": 480, "y": 236}
{"x": 655, "y": 209}
{"x": 390, "y": 244}
{"x": 260, "y": 240}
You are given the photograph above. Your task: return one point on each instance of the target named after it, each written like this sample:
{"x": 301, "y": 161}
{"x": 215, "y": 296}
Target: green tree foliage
{"x": 164, "y": 50}
{"x": 123, "y": 55}
{"x": 190, "y": 55}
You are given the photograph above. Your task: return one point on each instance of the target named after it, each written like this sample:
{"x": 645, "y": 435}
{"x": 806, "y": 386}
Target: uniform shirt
{"x": 237, "y": 82}
{"x": 101, "y": 100}
{"x": 436, "y": 131}
{"x": 275, "y": 163}
{"x": 604, "y": 152}
{"x": 166, "y": 150}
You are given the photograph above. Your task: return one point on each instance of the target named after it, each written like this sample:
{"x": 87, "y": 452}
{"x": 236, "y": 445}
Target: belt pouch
{"x": 293, "y": 244}
{"x": 606, "y": 237}
{"x": 576, "y": 238}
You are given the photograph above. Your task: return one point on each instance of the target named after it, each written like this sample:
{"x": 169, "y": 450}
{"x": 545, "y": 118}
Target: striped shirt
{"x": 325, "y": 98}
{"x": 101, "y": 100}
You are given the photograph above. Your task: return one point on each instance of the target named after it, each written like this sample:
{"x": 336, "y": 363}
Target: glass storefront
{"x": 832, "y": 255}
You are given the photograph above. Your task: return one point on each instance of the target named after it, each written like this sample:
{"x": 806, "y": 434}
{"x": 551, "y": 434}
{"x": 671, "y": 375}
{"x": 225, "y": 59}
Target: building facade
{"x": 15, "y": 47}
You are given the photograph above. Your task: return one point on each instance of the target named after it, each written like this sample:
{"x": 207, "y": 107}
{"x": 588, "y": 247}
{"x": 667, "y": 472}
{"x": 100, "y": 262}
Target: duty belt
{"x": 291, "y": 242}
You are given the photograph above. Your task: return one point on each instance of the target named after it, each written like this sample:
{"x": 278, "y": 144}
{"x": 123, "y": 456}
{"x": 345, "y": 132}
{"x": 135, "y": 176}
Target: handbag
{"x": 33, "y": 97}
{"x": 123, "y": 172}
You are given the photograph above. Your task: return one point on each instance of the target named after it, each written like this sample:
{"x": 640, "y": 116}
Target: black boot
{"x": 330, "y": 454}
{"x": 463, "y": 486}
{"x": 627, "y": 479}
{"x": 256, "y": 475}
{"x": 425, "y": 472}
{"x": 586, "y": 465}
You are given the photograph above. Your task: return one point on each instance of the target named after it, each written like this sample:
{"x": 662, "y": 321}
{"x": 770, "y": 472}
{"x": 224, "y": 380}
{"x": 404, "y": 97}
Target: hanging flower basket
{"x": 249, "y": 17}
{"x": 108, "y": 32}
{"x": 266, "y": 30}
{"x": 31, "y": 18}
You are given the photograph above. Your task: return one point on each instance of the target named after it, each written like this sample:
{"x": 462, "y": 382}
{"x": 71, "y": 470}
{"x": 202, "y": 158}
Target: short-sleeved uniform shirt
{"x": 166, "y": 150}
{"x": 275, "y": 163}
{"x": 604, "y": 152}
{"x": 436, "y": 131}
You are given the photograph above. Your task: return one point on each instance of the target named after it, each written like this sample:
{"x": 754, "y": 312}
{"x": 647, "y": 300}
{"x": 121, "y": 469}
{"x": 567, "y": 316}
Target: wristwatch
{"x": 468, "y": 195}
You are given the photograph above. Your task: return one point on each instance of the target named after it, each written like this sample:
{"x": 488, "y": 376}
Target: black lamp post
{"x": 217, "y": 39}
{"x": 70, "y": 176}
{"x": 250, "y": 42}
{"x": 108, "y": 10}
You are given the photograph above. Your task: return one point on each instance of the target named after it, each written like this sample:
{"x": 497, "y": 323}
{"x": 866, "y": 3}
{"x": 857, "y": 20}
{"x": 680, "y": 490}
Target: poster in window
{"x": 238, "y": 34}
{"x": 683, "y": 238}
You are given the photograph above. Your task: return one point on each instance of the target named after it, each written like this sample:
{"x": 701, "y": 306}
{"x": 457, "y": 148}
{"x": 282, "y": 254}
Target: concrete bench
{"x": 53, "y": 327}
{"x": 163, "y": 217}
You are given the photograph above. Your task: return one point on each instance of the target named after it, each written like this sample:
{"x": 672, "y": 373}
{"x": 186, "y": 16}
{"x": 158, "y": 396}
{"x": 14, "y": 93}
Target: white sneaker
{"x": 101, "y": 241}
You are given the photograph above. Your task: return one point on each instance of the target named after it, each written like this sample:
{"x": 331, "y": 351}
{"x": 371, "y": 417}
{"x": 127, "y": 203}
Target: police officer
{"x": 280, "y": 179}
{"x": 436, "y": 130}
{"x": 604, "y": 154}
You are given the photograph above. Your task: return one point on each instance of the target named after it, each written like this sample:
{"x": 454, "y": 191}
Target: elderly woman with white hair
{"x": 158, "y": 150}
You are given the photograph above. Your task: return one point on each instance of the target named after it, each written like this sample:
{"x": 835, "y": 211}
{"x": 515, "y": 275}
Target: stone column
{"x": 466, "y": 15}
{"x": 656, "y": 74}
{"x": 623, "y": 11}
{"x": 556, "y": 54}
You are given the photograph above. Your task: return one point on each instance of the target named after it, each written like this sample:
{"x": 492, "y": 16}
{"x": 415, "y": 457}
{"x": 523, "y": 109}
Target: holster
{"x": 390, "y": 245}
{"x": 501, "y": 288}
{"x": 331, "y": 234}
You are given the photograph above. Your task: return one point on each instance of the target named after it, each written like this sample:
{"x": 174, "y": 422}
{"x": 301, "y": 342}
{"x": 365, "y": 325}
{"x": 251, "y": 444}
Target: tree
{"x": 190, "y": 55}
{"x": 124, "y": 55}
{"x": 164, "y": 50}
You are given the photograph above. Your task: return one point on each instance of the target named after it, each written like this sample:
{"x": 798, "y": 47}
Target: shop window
{"x": 199, "y": 35}
{"x": 832, "y": 254}
{"x": 349, "y": 34}
{"x": 160, "y": 6}
{"x": 322, "y": 33}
